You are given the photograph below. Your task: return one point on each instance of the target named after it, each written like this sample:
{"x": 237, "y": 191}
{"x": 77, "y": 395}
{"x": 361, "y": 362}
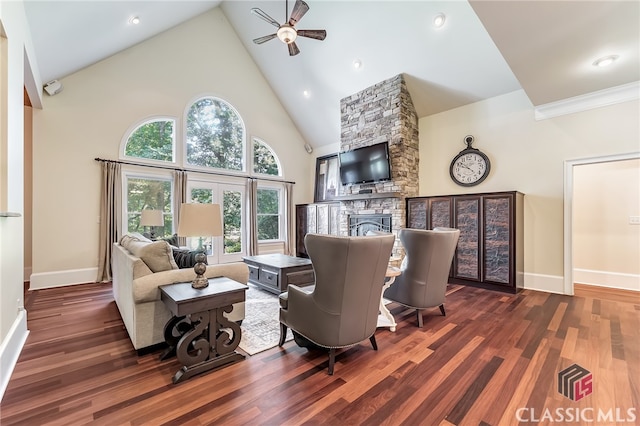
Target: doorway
{"x": 570, "y": 185}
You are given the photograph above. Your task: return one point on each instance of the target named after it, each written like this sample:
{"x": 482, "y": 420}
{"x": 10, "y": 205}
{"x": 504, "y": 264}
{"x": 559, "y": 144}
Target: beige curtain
{"x": 110, "y": 209}
{"x": 290, "y": 246}
{"x": 252, "y": 216}
{"x": 179, "y": 197}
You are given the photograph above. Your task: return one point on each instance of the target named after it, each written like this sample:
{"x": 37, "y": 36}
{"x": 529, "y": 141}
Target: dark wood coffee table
{"x": 196, "y": 332}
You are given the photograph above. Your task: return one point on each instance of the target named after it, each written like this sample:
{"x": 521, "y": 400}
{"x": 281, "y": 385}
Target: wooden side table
{"x": 197, "y": 333}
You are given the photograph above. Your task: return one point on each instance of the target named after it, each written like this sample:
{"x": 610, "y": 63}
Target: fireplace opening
{"x": 360, "y": 224}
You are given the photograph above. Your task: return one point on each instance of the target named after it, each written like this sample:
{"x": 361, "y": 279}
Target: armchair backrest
{"x": 349, "y": 275}
{"x": 425, "y": 269}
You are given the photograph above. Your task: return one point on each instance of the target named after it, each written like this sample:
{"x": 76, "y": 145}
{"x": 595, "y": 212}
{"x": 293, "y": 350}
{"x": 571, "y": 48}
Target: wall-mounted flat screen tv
{"x": 366, "y": 164}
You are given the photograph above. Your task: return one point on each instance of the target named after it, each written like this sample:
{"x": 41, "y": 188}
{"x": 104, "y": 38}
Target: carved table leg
{"x": 173, "y": 330}
{"x": 207, "y": 345}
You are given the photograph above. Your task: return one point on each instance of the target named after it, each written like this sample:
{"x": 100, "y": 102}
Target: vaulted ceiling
{"x": 485, "y": 49}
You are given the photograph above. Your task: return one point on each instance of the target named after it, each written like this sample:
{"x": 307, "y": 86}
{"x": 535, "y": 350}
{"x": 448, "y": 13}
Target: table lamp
{"x": 200, "y": 220}
{"x": 151, "y": 218}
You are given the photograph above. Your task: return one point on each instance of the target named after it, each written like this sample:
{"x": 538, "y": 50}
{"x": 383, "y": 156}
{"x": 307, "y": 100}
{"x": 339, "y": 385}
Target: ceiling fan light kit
{"x": 287, "y": 32}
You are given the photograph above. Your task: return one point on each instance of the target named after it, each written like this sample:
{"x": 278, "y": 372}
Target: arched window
{"x": 215, "y": 135}
{"x": 152, "y": 140}
{"x": 265, "y": 160}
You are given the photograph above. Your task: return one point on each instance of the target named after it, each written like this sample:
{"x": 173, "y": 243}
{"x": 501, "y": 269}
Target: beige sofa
{"x": 135, "y": 290}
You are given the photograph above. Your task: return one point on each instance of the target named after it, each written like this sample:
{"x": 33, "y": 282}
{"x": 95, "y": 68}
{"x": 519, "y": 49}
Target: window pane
{"x": 268, "y": 214}
{"x": 268, "y": 227}
{"x": 215, "y": 135}
{"x": 151, "y": 194}
{"x": 232, "y": 218}
{"x": 152, "y": 140}
{"x": 204, "y": 196}
{"x": 268, "y": 201}
{"x": 264, "y": 160}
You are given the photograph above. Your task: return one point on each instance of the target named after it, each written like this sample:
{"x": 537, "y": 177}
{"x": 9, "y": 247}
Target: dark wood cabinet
{"x": 490, "y": 248}
{"x": 318, "y": 218}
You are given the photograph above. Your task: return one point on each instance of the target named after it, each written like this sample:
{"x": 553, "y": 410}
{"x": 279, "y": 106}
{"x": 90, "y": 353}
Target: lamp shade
{"x": 200, "y": 220}
{"x": 151, "y": 218}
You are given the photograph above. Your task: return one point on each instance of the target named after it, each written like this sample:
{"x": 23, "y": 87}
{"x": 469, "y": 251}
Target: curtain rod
{"x": 153, "y": 166}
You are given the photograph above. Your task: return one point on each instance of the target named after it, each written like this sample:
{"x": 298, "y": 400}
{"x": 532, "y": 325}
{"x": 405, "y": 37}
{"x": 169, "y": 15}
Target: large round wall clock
{"x": 471, "y": 166}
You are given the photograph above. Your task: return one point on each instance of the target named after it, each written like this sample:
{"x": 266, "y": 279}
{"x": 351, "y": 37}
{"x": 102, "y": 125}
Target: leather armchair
{"x": 424, "y": 275}
{"x": 342, "y": 308}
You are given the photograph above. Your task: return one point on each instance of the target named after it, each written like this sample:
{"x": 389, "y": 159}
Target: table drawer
{"x": 268, "y": 277}
{"x": 254, "y": 272}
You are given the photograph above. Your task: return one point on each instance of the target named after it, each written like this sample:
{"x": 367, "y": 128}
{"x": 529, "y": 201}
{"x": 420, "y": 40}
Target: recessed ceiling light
{"x": 357, "y": 64}
{"x": 306, "y": 94}
{"x": 605, "y": 61}
{"x": 134, "y": 20}
{"x": 438, "y": 20}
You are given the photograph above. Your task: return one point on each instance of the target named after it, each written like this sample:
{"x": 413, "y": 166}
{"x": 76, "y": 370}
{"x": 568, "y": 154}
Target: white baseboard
{"x": 546, "y": 283}
{"x": 62, "y": 278}
{"x": 11, "y": 347}
{"x": 607, "y": 279}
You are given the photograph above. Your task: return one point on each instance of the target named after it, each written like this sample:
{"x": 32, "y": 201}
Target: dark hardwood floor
{"x": 492, "y": 357}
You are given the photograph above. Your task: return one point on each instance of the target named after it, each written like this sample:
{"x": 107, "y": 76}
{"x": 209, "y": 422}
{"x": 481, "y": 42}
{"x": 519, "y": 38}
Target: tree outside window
{"x": 264, "y": 159}
{"x": 268, "y": 214}
{"x": 215, "y": 135}
{"x": 152, "y": 140}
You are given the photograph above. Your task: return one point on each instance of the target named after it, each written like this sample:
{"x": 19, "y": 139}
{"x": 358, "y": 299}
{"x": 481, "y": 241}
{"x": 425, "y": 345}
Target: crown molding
{"x": 606, "y": 97}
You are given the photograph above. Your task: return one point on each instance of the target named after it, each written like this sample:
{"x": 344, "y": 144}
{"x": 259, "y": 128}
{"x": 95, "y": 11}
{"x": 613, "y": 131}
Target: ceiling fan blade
{"x": 317, "y": 34}
{"x": 264, "y": 39}
{"x": 299, "y": 9}
{"x": 293, "y": 48}
{"x": 262, "y": 15}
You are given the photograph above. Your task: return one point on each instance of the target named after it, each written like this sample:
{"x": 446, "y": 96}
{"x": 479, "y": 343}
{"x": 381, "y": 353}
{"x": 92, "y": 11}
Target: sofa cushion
{"x": 185, "y": 258}
{"x": 157, "y": 255}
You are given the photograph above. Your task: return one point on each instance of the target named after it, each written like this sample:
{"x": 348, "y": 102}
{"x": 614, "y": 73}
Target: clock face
{"x": 469, "y": 168}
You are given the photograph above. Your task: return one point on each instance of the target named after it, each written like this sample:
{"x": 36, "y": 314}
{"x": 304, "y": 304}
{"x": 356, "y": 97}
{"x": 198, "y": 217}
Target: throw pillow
{"x": 172, "y": 240}
{"x": 185, "y": 258}
{"x": 132, "y": 236}
{"x": 157, "y": 255}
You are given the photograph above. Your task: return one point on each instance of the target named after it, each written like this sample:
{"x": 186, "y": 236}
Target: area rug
{"x": 260, "y": 327}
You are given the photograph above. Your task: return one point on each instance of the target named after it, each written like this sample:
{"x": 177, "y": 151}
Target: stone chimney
{"x": 382, "y": 113}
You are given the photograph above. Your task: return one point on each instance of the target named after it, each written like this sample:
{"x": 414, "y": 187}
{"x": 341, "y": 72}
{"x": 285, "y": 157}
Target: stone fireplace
{"x": 381, "y": 113}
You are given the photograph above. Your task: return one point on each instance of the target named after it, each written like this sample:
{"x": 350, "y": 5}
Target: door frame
{"x": 568, "y": 208}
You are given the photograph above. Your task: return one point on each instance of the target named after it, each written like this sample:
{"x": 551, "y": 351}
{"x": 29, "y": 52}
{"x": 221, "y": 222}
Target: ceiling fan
{"x": 286, "y": 32}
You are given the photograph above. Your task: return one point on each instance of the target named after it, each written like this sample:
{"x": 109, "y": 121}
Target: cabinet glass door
{"x": 497, "y": 256}
{"x": 467, "y": 211}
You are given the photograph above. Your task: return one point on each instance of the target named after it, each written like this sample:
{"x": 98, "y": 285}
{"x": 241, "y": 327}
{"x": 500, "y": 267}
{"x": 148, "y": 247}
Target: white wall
{"x": 16, "y": 49}
{"x": 527, "y": 156}
{"x": 606, "y": 247}
{"x": 160, "y": 76}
